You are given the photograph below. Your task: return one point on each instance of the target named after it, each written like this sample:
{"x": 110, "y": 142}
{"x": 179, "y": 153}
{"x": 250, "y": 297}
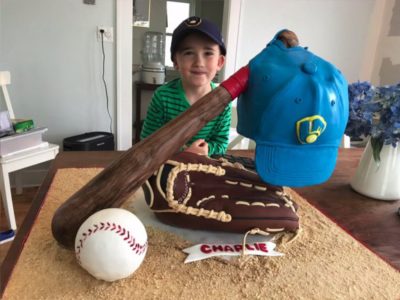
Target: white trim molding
{"x": 124, "y": 20}
{"x": 230, "y": 30}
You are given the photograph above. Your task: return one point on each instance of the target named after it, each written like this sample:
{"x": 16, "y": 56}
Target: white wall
{"x": 352, "y": 34}
{"x": 386, "y": 68}
{"x": 50, "y": 48}
{"x": 333, "y": 29}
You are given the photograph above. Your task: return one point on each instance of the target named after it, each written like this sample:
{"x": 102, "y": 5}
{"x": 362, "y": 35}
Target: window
{"x": 177, "y": 11}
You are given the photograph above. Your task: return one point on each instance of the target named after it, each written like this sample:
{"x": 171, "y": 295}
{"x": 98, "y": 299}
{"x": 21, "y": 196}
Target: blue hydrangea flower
{"x": 374, "y": 112}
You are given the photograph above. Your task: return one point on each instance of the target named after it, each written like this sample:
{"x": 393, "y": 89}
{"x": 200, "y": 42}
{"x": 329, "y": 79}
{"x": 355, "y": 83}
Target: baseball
{"x": 111, "y": 244}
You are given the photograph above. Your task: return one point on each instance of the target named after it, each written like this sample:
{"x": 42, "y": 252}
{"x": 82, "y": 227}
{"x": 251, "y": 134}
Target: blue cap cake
{"x": 295, "y": 108}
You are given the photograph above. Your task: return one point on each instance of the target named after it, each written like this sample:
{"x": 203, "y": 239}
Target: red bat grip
{"x": 237, "y": 83}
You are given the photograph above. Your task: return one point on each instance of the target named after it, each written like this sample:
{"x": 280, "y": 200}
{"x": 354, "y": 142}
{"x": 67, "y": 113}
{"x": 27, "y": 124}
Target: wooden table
{"x": 374, "y": 223}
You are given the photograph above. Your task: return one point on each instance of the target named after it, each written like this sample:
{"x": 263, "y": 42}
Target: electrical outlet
{"x": 108, "y": 34}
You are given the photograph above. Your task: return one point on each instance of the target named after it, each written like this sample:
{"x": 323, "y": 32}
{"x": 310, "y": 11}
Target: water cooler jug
{"x": 153, "y": 69}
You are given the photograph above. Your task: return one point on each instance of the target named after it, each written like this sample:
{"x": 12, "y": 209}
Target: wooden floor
{"x": 21, "y": 206}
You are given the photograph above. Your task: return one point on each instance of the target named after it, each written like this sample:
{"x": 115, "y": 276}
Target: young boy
{"x": 198, "y": 53}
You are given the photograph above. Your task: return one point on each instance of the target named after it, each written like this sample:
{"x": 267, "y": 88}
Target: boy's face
{"x": 198, "y": 59}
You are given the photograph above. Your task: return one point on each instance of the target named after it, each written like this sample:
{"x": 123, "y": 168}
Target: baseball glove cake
{"x": 197, "y": 192}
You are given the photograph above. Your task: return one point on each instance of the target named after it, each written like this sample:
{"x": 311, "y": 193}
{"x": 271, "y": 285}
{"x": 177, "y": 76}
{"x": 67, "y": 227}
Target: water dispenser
{"x": 153, "y": 53}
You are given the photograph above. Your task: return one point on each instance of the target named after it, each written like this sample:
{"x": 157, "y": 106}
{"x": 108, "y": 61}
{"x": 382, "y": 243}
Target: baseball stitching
{"x": 117, "y": 229}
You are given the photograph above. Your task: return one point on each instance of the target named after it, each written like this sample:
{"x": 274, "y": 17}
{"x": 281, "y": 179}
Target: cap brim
{"x": 293, "y": 166}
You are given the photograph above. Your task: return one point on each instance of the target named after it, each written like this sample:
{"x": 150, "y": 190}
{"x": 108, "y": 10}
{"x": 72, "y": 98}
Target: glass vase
{"x": 378, "y": 180}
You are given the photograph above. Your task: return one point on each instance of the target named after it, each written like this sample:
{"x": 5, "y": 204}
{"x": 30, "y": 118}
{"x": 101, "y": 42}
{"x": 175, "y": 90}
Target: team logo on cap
{"x": 309, "y": 129}
{"x": 193, "y": 21}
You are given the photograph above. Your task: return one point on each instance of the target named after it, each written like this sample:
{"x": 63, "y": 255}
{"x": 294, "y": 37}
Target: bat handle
{"x": 237, "y": 83}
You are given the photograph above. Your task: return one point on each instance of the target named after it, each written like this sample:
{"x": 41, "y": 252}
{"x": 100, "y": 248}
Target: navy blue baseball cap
{"x": 295, "y": 108}
{"x": 196, "y": 24}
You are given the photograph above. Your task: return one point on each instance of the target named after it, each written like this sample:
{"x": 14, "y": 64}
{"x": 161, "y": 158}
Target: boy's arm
{"x": 154, "y": 117}
{"x": 219, "y": 138}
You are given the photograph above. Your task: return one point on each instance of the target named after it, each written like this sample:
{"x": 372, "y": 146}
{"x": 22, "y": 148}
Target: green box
{"x": 22, "y": 125}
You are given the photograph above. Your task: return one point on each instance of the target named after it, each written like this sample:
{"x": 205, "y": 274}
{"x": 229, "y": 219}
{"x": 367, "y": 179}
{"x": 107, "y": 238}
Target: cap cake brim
{"x": 294, "y": 167}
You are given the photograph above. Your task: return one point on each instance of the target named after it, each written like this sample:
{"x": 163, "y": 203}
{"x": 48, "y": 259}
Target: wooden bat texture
{"x": 112, "y": 186}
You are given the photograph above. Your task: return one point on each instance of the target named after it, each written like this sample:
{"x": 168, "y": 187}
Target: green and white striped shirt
{"x": 169, "y": 101}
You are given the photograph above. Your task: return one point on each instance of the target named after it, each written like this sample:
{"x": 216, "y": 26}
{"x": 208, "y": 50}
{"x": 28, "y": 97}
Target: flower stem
{"x": 377, "y": 144}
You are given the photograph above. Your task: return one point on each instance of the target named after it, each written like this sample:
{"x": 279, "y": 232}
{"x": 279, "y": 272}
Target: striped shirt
{"x": 169, "y": 101}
